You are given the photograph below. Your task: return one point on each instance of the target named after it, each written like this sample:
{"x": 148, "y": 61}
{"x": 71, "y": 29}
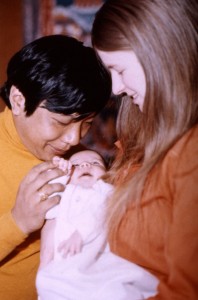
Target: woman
{"x": 150, "y": 48}
{"x": 54, "y": 88}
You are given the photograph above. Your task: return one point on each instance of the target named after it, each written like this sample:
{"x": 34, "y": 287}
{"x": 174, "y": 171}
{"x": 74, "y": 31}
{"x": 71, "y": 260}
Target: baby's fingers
{"x": 61, "y": 163}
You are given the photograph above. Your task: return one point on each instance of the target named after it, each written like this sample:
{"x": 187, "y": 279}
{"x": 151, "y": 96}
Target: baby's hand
{"x": 62, "y": 164}
{"x": 71, "y": 246}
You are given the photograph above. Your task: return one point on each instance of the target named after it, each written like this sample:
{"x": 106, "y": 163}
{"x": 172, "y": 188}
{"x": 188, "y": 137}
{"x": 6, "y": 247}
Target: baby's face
{"x": 88, "y": 167}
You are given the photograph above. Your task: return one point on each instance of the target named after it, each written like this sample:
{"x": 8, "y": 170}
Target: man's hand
{"x": 33, "y": 197}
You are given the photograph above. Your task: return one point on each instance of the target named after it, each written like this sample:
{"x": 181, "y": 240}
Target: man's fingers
{"x": 39, "y": 169}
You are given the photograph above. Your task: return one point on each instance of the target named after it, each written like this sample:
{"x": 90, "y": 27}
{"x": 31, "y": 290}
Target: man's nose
{"x": 72, "y": 134}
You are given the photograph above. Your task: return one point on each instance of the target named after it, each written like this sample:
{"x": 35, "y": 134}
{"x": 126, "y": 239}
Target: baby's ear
{"x": 17, "y": 101}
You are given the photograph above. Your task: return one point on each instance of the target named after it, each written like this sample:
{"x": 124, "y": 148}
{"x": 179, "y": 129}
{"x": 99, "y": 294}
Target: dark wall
{"x": 11, "y": 33}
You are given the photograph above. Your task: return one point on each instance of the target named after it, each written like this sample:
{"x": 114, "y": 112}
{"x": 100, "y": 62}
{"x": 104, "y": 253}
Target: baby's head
{"x": 88, "y": 167}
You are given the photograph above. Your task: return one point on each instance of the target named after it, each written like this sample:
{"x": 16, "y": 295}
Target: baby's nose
{"x": 85, "y": 164}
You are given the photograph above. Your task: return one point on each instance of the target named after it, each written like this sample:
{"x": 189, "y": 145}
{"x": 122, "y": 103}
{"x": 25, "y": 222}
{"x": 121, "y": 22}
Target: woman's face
{"x": 127, "y": 74}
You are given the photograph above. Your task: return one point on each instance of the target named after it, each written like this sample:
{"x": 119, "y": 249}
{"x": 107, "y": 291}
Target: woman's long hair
{"x": 163, "y": 34}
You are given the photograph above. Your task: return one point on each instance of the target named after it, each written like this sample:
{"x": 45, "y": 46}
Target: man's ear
{"x": 17, "y": 101}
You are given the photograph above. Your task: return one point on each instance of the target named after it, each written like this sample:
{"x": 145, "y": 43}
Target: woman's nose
{"x": 117, "y": 84}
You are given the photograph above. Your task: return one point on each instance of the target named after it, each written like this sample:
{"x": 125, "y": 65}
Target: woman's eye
{"x": 120, "y": 72}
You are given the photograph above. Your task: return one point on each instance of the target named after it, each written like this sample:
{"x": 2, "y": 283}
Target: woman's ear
{"x": 17, "y": 101}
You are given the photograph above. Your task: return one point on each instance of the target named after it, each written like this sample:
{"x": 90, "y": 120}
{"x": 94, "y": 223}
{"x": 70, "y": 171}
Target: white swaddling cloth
{"x": 95, "y": 273}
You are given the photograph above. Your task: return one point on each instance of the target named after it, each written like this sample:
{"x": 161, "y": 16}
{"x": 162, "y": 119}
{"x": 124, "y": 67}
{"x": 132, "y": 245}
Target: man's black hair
{"x": 60, "y": 71}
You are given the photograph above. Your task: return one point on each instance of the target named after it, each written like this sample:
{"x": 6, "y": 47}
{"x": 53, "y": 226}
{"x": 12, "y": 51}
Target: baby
{"x": 76, "y": 263}
{"x": 72, "y": 224}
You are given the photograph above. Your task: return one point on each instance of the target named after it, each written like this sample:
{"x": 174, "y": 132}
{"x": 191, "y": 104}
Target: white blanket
{"x": 110, "y": 278}
{"x": 95, "y": 273}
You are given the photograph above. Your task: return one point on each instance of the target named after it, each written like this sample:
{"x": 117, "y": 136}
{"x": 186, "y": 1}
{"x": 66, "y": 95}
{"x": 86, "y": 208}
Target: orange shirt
{"x": 164, "y": 237}
{"x": 19, "y": 254}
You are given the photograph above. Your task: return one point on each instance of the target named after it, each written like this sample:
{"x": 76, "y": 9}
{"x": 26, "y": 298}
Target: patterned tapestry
{"x": 72, "y": 17}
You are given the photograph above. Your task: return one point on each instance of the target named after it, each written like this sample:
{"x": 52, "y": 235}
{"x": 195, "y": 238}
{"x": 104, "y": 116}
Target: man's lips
{"x": 59, "y": 151}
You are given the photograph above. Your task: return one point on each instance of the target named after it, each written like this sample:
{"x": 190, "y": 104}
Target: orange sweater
{"x": 19, "y": 254}
{"x": 164, "y": 238}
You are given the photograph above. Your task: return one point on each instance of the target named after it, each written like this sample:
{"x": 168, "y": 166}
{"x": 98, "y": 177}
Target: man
{"x": 55, "y": 87}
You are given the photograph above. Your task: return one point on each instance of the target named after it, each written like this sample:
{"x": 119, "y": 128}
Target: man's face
{"x": 46, "y": 134}
{"x": 88, "y": 168}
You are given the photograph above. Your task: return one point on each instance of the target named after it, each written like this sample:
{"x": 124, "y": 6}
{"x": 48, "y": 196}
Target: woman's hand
{"x": 33, "y": 197}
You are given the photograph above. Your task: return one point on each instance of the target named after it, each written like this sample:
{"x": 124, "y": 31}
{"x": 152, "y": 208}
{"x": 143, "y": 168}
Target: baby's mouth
{"x": 85, "y": 174}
